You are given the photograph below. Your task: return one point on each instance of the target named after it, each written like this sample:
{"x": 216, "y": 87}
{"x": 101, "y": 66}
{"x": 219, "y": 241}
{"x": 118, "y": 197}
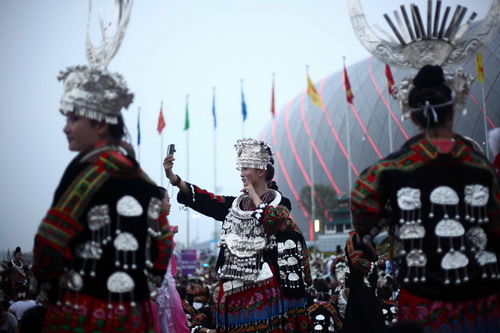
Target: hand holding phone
{"x": 171, "y": 149}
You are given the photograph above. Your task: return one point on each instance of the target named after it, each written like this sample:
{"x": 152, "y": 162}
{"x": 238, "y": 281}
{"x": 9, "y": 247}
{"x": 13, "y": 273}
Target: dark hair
{"x": 33, "y": 319}
{"x": 163, "y": 192}
{"x": 18, "y": 249}
{"x": 119, "y": 135}
{"x": 430, "y": 87}
{"x": 270, "y": 172}
{"x": 22, "y": 289}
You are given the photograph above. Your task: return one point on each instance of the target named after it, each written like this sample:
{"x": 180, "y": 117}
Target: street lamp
{"x": 317, "y": 225}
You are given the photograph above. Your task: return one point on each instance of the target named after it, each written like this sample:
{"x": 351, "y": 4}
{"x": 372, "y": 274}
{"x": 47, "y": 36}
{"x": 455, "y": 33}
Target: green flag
{"x": 186, "y": 121}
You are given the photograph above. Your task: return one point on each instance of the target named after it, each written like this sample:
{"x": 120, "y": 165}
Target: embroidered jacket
{"x": 276, "y": 223}
{"x": 105, "y": 234}
{"x": 445, "y": 211}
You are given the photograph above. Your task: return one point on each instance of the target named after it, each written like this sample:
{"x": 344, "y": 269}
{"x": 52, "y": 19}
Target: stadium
{"x": 313, "y": 144}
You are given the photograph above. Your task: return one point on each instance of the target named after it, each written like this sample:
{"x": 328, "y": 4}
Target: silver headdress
{"x": 458, "y": 81}
{"x": 432, "y": 43}
{"x": 94, "y": 92}
{"x": 436, "y": 42}
{"x": 252, "y": 153}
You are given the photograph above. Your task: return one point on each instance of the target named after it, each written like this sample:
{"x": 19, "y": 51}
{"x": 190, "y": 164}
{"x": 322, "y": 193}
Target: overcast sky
{"x": 171, "y": 49}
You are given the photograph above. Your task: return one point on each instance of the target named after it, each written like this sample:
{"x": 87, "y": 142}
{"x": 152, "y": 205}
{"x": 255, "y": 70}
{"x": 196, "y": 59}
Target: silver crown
{"x": 430, "y": 40}
{"x": 94, "y": 92}
{"x": 252, "y": 153}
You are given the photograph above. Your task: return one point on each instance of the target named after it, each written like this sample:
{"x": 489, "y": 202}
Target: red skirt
{"x": 474, "y": 315}
{"x": 91, "y": 315}
{"x": 258, "y": 310}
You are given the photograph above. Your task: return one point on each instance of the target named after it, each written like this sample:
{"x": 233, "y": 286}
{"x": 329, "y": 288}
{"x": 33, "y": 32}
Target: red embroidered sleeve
{"x": 163, "y": 244}
{"x": 358, "y": 262}
{"x": 51, "y": 249}
{"x": 274, "y": 219}
{"x": 365, "y": 200}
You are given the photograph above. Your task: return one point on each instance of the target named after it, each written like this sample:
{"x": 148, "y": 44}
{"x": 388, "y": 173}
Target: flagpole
{"x": 215, "y": 157}
{"x": 349, "y": 176}
{"x": 391, "y": 147}
{"x": 139, "y": 135}
{"x": 161, "y": 151}
{"x": 187, "y": 175}
{"x": 313, "y": 203}
{"x": 485, "y": 124}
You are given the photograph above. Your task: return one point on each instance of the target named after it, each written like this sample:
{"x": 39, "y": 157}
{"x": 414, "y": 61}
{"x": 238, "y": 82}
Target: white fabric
{"x": 20, "y": 307}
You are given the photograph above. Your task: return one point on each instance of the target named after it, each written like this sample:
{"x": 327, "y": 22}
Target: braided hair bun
{"x": 430, "y": 88}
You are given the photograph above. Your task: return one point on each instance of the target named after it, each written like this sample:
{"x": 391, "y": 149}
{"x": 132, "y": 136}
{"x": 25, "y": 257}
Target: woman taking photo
{"x": 104, "y": 241}
{"x": 262, "y": 264}
{"x": 441, "y": 200}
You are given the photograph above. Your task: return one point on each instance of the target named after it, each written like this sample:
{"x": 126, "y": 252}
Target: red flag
{"x": 391, "y": 86}
{"x": 273, "y": 112}
{"x": 161, "y": 121}
{"x": 348, "y": 93}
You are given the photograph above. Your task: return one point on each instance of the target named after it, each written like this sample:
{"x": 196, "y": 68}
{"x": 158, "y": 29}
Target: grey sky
{"x": 171, "y": 48}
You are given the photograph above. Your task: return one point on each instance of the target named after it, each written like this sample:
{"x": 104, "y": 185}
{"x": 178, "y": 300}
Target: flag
{"x": 348, "y": 93}
{"x": 243, "y": 105}
{"x": 391, "y": 86}
{"x": 139, "y": 127}
{"x": 479, "y": 67}
{"x": 273, "y": 112}
{"x": 161, "y": 121}
{"x": 186, "y": 119}
{"x": 311, "y": 90}
{"x": 213, "y": 109}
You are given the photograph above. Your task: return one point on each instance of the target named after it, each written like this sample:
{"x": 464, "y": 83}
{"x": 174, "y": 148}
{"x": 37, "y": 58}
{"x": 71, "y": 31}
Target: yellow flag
{"x": 311, "y": 91}
{"x": 479, "y": 67}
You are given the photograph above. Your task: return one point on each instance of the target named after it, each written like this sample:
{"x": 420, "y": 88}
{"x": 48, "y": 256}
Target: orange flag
{"x": 391, "y": 86}
{"x": 161, "y": 121}
{"x": 348, "y": 93}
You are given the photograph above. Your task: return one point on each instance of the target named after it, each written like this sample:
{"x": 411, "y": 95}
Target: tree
{"x": 326, "y": 199}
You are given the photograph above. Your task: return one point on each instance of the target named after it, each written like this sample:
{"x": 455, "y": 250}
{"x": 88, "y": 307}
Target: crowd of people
{"x": 191, "y": 303}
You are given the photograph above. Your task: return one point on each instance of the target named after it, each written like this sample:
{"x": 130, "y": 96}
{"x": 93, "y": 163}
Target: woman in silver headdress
{"x": 104, "y": 241}
{"x": 263, "y": 265}
{"x": 440, "y": 199}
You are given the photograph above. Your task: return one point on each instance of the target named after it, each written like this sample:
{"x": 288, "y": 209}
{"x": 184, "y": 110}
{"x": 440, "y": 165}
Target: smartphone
{"x": 170, "y": 149}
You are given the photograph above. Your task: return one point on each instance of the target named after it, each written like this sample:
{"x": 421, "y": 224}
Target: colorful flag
{"x": 273, "y": 112}
{"x": 139, "y": 127}
{"x": 243, "y": 105}
{"x": 391, "y": 86}
{"x": 311, "y": 90}
{"x": 213, "y": 109}
{"x": 480, "y": 67}
{"x": 348, "y": 92}
{"x": 186, "y": 119}
{"x": 161, "y": 121}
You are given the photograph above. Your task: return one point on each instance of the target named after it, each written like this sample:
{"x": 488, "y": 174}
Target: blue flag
{"x": 139, "y": 127}
{"x": 243, "y": 105}
{"x": 213, "y": 110}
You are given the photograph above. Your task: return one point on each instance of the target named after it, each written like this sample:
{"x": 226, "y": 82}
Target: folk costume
{"x": 105, "y": 241}
{"x": 363, "y": 312}
{"x": 170, "y": 314}
{"x": 263, "y": 264}
{"x": 444, "y": 210}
